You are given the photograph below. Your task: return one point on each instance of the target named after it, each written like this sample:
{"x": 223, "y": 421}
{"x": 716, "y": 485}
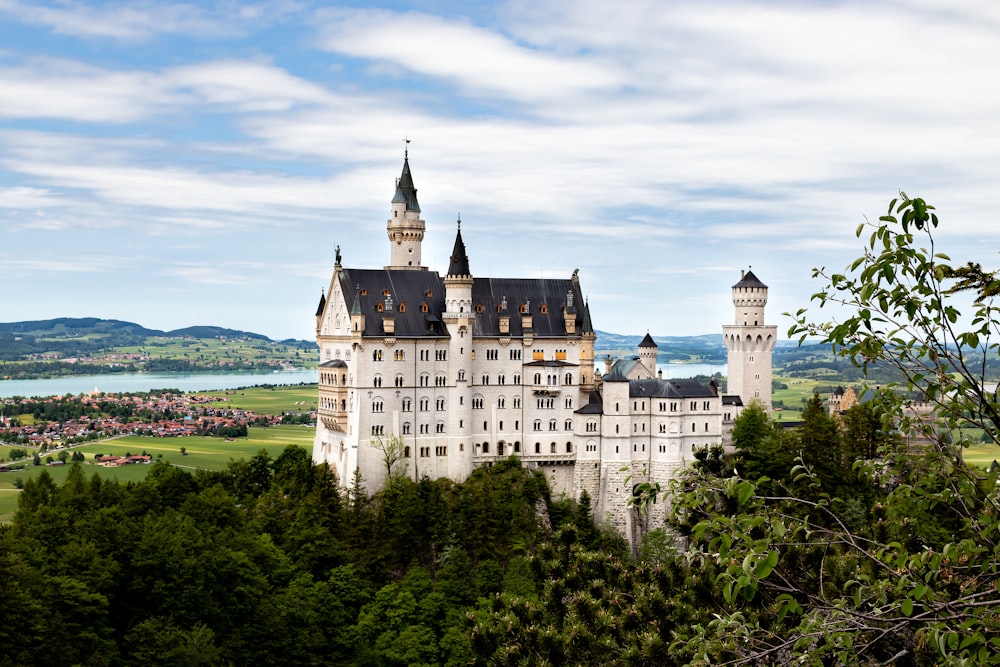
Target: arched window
{"x": 402, "y": 307}
{"x": 424, "y": 308}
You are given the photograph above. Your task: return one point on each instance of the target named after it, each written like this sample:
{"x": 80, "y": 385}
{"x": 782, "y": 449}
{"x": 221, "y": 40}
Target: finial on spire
{"x": 406, "y": 147}
{"x": 459, "y": 221}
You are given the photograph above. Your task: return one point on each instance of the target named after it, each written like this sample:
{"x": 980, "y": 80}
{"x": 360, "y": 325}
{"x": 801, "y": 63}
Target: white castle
{"x": 463, "y": 371}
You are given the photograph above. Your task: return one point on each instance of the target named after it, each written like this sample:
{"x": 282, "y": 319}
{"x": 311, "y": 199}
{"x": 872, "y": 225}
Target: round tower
{"x": 405, "y": 228}
{"x": 749, "y": 343}
{"x": 647, "y": 354}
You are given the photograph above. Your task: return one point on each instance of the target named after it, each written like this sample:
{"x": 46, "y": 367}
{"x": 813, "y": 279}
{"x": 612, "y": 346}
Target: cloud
{"x": 130, "y": 21}
{"x": 71, "y": 90}
{"x": 476, "y": 60}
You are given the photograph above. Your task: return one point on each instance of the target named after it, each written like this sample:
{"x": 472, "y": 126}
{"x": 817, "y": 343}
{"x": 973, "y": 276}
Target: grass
{"x": 202, "y": 452}
{"x": 297, "y": 398}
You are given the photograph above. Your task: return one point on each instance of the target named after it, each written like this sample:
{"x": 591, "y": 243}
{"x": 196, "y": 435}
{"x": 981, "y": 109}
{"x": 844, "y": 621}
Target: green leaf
{"x": 906, "y": 606}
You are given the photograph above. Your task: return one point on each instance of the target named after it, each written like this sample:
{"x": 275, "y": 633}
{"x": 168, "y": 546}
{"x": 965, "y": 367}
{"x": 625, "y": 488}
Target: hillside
{"x": 83, "y": 346}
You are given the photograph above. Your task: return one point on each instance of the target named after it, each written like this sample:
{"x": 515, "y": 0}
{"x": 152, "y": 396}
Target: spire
{"x": 459, "y": 259}
{"x": 356, "y": 308}
{"x": 322, "y": 303}
{"x": 406, "y": 193}
{"x": 588, "y": 326}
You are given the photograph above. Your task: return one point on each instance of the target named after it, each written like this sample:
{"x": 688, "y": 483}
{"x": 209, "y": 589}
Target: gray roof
{"x": 750, "y": 280}
{"x": 648, "y": 342}
{"x": 411, "y": 290}
{"x": 334, "y": 363}
{"x": 656, "y": 388}
{"x": 532, "y": 293}
{"x": 405, "y": 191}
{"x": 459, "y": 265}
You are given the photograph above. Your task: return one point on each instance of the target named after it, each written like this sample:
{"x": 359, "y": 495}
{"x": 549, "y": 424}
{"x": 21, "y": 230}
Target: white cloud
{"x": 477, "y": 60}
{"x": 129, "y": 21}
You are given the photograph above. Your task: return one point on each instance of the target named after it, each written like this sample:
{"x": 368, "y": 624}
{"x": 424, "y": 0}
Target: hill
{"x": 89, "y": 345}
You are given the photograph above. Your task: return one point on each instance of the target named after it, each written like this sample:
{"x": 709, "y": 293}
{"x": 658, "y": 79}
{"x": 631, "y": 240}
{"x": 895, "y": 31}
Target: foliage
{"x": 865, "y": 551}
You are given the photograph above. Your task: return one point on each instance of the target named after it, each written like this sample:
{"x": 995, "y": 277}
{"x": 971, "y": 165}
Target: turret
{"x": 357, "y": 315}
{"x": 320, "y": 310}
{"x": 405, "y": 228}
{"x": 749, "y": 298}
{"x": 458, "y": 282}
{"x": 587, "y": 340}
{"x": 648, "y": 350}
{"x": 750, "y": 342}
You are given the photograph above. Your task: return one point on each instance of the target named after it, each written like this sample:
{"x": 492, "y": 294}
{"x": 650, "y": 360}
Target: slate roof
{"x": 648, "y": 341}
{"x": 594, "y": 406}
{"x": 405, "y": 190}
{"x": 532, "y": 292}
{"x": 459, "y": 265}
{"x": 412, "y": 289}
{"x": 334, "y": 363}
{"x": 322, "y": 305}
{"x": 656, "y": 388}
{"x": 750, "y": 280}
{"x": 732, "y": 400}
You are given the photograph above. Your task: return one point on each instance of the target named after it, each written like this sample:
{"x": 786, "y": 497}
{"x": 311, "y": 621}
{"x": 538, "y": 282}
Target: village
{"x": 58, "y": 422}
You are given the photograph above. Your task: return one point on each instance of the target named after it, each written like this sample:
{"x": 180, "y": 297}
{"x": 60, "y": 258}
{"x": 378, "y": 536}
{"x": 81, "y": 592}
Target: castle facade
{"x": 435, "y": 375}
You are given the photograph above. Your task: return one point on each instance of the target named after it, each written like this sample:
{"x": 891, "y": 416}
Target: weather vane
{"x": 406, "y": 146}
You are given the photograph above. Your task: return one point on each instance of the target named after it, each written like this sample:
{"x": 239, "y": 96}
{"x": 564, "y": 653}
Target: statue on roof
{"x": 338, "y": 254}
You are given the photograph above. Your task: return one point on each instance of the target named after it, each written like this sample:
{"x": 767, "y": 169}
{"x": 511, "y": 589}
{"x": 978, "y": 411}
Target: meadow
{"x": 268, "y": 400}
{"x": 200, "y": 453}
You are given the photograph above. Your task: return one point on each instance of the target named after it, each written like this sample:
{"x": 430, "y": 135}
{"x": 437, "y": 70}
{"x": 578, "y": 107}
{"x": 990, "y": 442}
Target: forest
{"x": 860, "y": 538}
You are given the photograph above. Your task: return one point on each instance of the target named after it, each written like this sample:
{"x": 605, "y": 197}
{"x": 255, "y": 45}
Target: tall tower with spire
{"x": 405, "y": 227}
{"x": 750, "y": 342}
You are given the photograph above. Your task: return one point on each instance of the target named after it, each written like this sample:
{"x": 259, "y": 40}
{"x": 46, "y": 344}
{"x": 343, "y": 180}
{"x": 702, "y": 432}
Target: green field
{"x": 273, "y": 401}
{"x": 201, "y": 452}
{"x": 213, "y": 350}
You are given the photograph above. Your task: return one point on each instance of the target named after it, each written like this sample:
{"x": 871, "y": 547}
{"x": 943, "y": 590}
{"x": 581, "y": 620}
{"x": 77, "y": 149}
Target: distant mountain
{"x": 80, "y": 336}
{"x": 213, "y": 332}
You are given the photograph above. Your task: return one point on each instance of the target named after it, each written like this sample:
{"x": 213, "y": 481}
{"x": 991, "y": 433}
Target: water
{"x": 690, "y": 370}
{"x": 135, "y": 382}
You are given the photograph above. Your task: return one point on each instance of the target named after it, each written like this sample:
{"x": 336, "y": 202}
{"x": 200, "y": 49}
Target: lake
{"x": 135, "y": 382}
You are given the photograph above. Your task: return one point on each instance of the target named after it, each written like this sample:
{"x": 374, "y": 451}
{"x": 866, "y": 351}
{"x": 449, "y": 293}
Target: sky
{"x": 179, "y": 164}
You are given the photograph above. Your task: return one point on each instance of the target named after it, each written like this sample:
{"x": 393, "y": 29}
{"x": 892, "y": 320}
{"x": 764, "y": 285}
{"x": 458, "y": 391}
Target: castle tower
{"x": 647, "y": 354}
{"x": 459, "y": 317}
{"x": 750, "y": 342}
{"x": 588, "y": 337}
{"x": 405, "y": 228}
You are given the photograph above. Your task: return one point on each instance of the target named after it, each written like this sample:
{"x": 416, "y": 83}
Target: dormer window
{"x": 499, "y": 309}
{"x": 524, "y": 309}
{"x": 385, "y": 292}
{"x": 364, "y": 292}
{"x": 402, "y": 307}
{"x": 430, "y": 294}
{"x": 379, "y": 307}
{"x": 479, "y": 307}
{"x": 544, "y": 309}
{"x": 424, "y": 308}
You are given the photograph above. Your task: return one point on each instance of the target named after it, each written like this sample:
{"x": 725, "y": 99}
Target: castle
{"x": 449, "y": 373}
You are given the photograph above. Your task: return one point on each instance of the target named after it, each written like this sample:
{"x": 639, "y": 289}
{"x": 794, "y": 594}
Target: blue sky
{"x": 176, "y": 164}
